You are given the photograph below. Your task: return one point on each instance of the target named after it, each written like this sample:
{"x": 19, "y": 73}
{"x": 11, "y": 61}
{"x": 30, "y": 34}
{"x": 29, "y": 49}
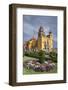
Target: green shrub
{"x": 41, "y": 56}
{"x": 53, "y": 56}
{"x": 32, "y": 54}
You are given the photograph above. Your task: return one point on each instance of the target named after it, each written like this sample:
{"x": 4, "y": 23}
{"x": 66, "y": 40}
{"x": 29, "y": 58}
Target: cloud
{"x": 33, "y": 23}
{"x": 46, "y": 30}
{"x": 28, "y": 28}
{"x": 55, "y": 39}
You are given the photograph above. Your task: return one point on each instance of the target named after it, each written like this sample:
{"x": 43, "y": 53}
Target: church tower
{"x": 50, "y": 41}
{"x": 41, "y": 38}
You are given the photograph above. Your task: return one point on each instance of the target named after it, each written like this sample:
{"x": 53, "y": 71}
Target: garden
{"x": 39, "y": 62}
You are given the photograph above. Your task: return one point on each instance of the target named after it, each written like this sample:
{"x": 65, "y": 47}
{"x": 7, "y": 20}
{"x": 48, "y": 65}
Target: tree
{"x": 53, "y": 56}
{"x": 41, "y": 56}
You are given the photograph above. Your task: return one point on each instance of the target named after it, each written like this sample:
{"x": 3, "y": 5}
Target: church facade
{"x": 43, "y": 42}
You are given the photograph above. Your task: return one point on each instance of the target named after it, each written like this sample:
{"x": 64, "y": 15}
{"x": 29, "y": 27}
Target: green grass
{"x": 30, "y": 71}
{"x": 25, "y": 58}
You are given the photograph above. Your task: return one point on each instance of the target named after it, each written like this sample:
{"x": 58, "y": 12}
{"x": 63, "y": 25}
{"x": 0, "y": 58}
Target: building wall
{"x": 43, "y": 42}
{"x": 31, "y": 44}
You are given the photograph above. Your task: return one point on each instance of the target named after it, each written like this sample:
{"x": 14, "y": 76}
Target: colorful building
{"x": 43, "y": 42}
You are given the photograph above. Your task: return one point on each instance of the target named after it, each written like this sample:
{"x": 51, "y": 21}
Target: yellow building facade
{"x": 31, "y": 43}
{"x": 43, "y": 42}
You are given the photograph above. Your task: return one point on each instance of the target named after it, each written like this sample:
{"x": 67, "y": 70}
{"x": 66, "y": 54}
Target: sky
{"x": 32, "y": 23}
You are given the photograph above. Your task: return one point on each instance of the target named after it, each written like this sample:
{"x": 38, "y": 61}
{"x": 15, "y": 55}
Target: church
{"x": 43, "y": 42}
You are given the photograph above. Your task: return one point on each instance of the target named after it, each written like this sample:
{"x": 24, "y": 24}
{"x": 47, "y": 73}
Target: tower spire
{"x": 33, "y": 34}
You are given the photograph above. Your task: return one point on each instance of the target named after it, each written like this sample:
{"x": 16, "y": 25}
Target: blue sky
{"x": 32, "y": 23}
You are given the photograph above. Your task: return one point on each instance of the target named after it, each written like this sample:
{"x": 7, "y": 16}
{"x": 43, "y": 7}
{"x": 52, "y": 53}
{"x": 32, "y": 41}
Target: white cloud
{"x": 55, "y": 38}
{"x": 28, "y": 28}
{"x": 46, "y": 30}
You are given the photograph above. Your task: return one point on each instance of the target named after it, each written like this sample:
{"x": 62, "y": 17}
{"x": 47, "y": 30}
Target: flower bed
{"x": 38, "y": 67}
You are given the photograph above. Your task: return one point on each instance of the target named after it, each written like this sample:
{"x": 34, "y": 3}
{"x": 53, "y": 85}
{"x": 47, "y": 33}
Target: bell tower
{"x": 50, "y": 41}
{"x": 41, "y": 38}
